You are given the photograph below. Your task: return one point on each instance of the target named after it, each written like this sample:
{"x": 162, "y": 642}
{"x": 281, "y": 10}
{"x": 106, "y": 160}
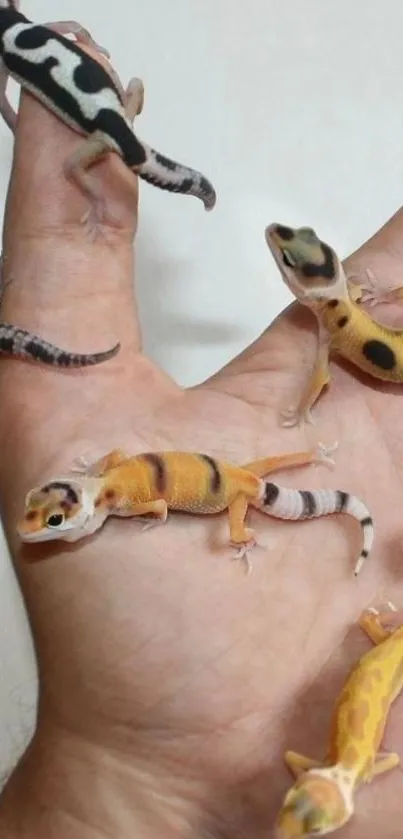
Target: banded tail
{"x": 19, "y": 342}
{"x": 294, "y": 504}
{"x": 165, "y": 173}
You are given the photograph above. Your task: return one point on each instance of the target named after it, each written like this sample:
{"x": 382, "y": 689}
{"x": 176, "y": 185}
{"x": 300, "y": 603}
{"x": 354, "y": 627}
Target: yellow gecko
{"x": 314, "y": 274}
{"x": 155, "y": 482}
{"x": 321, "y": 799}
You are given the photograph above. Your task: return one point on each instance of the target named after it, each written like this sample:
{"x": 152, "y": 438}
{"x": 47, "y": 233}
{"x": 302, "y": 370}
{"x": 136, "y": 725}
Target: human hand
{"x": 171, "y": 683}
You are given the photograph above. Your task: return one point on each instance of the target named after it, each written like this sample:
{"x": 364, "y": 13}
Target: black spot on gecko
{"x": 215, "y": 472}
{"x": 64, "y": 359}
{"x": 309, "y": 503}
{"x": 366, "y": 522}
{"x": 341, "y": 500}
{"x": 33, "y": 37}
{"x": 39, "y": 351}
{"x": 325, "y": 269}
{"x": 165, "y": 162}
{"x": 70, "y": 492}
{"x": 333, "y": 303}
{"x": 7, "y": 344}
{"x": 342, "y": 321}
{"x": 379, "y": 354}
{"x": 158, "y": 465}
{"x": 9, "y": 17}
{"x": 92, "y": 82}
{"x": 109, "y": 494}
{"x": 271, "y": 493}
{"x": 285, "y": 233}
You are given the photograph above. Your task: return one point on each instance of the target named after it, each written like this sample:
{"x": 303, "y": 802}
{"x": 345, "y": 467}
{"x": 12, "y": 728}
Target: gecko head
{"x": 57, "y": 510}
{"x": 317, "y": 804}
{"x": 309, "y": 267}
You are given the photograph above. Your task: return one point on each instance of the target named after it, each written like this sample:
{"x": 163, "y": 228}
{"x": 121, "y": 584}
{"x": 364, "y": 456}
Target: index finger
{"x": 64, "y": 285}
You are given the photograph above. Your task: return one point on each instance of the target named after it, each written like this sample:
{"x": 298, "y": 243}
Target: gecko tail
{"x": 284, "y": 503}
{"x": 165, "y": 173}
{"x": 18, "y": 342}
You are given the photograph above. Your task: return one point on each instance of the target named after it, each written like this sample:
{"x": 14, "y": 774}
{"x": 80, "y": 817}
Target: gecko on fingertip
{"x": 85, "y": 96}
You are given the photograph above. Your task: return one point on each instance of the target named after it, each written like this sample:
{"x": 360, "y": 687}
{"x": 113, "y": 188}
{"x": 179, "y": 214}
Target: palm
{"x": 212, "y": 658}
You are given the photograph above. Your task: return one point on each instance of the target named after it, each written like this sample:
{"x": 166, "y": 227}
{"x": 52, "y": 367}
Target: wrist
{"x": 65, "y": 788}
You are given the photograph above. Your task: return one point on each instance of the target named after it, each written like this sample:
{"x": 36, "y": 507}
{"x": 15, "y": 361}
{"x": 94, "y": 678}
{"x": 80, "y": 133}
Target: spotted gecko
{"x": 155, "y": 482}
{"x": 321, "y": 799}
{"x": 314, "y": 274}
{"x": 78, "y": 90}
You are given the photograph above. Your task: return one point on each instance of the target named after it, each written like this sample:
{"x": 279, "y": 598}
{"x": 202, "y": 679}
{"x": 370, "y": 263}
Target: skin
{"x": 171, "y": 683}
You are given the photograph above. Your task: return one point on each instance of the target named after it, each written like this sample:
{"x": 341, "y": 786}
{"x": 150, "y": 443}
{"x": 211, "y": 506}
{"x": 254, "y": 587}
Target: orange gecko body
{"x": 194, "y": 483}
{"x": 321, "y": 799}
{"x": 151, "y": 483}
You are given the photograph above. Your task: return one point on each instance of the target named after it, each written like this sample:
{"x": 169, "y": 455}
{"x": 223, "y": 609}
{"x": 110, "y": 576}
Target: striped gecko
{"x": 20, "y": 343}
{"x": 321, "y": 799}
{"x": 78, "y": 90}
{"x": 155, "y": 482}
{"x": 314, "y": 274}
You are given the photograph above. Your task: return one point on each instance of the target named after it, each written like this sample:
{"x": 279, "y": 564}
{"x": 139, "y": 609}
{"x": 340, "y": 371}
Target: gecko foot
{"x": 82, "y": 35}
{"x": 243, "y": 554}
{"x": 155, "y": 522}
{"x": 243, "y": 549}
{"x": 373, "y": 292}
{"x": 323, "y": 452}
{"x": 391, "y": 608}
{"x": 293, "y": 416}
{"x": 80, "y": 464}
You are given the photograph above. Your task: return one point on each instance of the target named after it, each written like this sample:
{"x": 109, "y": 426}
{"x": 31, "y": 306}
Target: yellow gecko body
{"x": 155, "y": 482}
{"x": 314, "y": 274}
{"x": 321, "y": 799}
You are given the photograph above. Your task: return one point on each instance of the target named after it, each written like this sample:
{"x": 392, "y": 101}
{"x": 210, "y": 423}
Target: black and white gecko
{"x": 77, "y": 89}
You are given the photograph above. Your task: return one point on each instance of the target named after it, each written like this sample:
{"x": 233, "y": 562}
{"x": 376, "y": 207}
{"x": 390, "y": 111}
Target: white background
{"x": 295, "y": 112}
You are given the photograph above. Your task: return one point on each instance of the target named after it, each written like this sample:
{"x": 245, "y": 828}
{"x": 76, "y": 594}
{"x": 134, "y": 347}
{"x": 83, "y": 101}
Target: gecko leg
{"x": 297, "y": 763}
{"x": 92, "y": 150}
{"x": 241, "y": 537}
{"x": 371, "y": 620}
{"x": 320, "y": 454}
{"x": 372, "y": 291}
{"x": 134, "y": 98}
{"x": 355, "y": 291}
{"x": 319, "y": 379}
{"x": 102, "y": 465}
{"x": 158, "y": 508}
{"x": 6, "y": 110}
{"x": 71, "y": 27}
{"x": 384, "y": 763}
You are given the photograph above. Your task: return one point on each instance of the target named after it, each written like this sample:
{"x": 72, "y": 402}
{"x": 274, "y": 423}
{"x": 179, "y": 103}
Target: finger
{"x": 65, "y": 286}
{"x": 289, "y": 342}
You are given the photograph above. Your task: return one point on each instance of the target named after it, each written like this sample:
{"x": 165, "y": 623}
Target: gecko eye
{"x": 288, "y": 260}
{"x": 56, "y": 520}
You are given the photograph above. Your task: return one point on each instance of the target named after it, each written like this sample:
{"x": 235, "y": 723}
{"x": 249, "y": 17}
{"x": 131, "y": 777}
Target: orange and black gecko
{"x": 155, "y": 482}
